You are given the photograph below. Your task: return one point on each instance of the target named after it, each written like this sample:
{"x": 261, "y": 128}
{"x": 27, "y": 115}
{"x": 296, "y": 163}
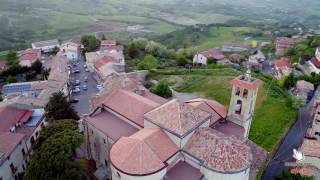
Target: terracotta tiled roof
{"x": 283, "y": 62}
{"x": 108, "y": 42}
{"x": 8, "y": 142}
{"x": 30, "y": 55}
{"x": 285, "y": 41}
{"x": 252, "y": 84}
{"x": 177, "y": 118}
{"x": 10, "y": 116}
{"x": 217, "y": 110}
{"x": 130, "y": 105}
{"x": 214, "y": 53}
{"x": 2, "y": 64}
{"x": 219, "y": 152}
{"x": 104, "y": 60}
{"x": 111, "y": 125}
{"x": 236, "y": 57}
{"x": 306, "y": 170}
{"x": 315, "y": 62}
{"x": 310, "y": 148}
{"x": 145, "y": 152}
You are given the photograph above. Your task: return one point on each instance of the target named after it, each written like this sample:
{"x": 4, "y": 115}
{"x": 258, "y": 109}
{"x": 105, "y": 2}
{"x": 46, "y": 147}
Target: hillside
{"x": 23, "y": 21}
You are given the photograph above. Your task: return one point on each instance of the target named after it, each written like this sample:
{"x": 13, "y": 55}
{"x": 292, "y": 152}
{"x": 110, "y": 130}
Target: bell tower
{"x": 243, "y": 99}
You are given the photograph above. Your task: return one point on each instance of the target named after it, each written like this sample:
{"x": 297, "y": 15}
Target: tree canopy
{"x": 162, "y": 89}
{"x": 60, "y": 108}
{"x": 90, "y": 43}
{"x": 52, "y": 158}
{"x": 148, "y": 62}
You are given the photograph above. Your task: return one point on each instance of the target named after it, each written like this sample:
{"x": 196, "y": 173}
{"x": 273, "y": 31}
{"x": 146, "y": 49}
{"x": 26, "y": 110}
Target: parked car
{"x": 85, "y": 66}
{"x": 74, "y": 100}
{"x": 85, "y": 87}
{"x": 85, "y": 79}
{"x": 77, "y": 82}
{"x": 76, "y": 90}
{"x": 87, "y": 70}
{"x": 99, "y": 86}
{"x": 76, "y": 71}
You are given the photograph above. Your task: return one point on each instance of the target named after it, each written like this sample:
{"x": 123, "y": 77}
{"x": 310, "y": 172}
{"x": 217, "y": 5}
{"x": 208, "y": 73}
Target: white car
{"x": 99, "y": 86}
{"x": 85, "y": 66}
{"x": 87, "y": 70}
{"x": 76, "y": 90}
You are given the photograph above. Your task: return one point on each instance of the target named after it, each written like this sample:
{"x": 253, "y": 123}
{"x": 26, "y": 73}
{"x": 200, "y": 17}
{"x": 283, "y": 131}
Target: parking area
{"x": 86, "y": 85}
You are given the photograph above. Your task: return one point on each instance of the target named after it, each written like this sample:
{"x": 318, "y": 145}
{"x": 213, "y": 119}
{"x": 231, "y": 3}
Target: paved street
{"x": 82, "y": 107}
{"x": 292, "y": 141}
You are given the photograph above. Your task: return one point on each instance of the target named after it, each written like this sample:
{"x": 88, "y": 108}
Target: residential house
{"x": 303, "y": 89}
{"x": 3, "y": 65}
{"x": 283, "y": 44}
{"x": 283, "y": 67}
{"x": 111, "y": 46}
{"x": 202, "y": 57}
{"x": 46, "y": 46}
{"x": 311, "y": 153}
{"x": 29, "y": 56}
{"x": 19, "y": 129}
{"x": 132, "y": 135}
{"x": 71, "y": 50}
{"x": 236, "y": 58}
{"x": 257, "y": 57}
{"x": 36, "y": 94}
{"x": 315, "y": 62}
{"x": 234, "y": 47}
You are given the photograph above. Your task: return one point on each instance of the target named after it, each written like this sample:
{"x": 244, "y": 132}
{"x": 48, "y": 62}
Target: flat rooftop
{"x": 111, "y": 125}
{"x": 183, "y": 171}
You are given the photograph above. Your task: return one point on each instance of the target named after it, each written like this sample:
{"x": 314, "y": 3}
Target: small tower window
{"x": 238, "y": 91}
{"x": 245, "y": 93}
{"x": 238, "y": 107}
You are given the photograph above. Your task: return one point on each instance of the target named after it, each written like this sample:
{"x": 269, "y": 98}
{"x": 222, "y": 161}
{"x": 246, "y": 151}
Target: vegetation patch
{"x": 273, "y": 115}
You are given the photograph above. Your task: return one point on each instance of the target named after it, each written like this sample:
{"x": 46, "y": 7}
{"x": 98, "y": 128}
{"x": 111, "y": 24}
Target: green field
{"x": 219, "y": 35}
{"x": 272, "y": 116}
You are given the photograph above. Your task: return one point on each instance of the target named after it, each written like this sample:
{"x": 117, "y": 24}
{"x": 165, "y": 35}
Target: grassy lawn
{"x": 3, "y": 55}
{"x": 219, "y": 35}
{"x": 272, "y": 116}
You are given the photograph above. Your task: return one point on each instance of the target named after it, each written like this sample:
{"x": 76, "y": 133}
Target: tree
{"x": 37, "y": 66}
{"x": 52, "y": 159}
{"x": 55, "y": 50}
{"x": 162, "y": 89}
{"x": 211, "y": 60}
{"x": 181, "y": 60}
{"x": 90, "y": 43}
{"x": 12, "y": 58}
{"x": 103, "y": 37}
{"x": 11, "y": 79}
{"x": 60, "y": 108}
{"x": 148, "y": 62}
{"x": 289, "y": 81}
{"x": 133, "y": 51}
{"x": 298, "y": 102}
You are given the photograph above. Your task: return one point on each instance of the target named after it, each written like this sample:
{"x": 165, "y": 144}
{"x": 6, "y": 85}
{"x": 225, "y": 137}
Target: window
{"x": 32, "y": 140}
{"x": 238, "y": 107}
{"x": 23, "y": 152}
{"x": 37, "y": 133}
{"x": 104, "y": 141}
{"x": 238, "y": 91}
{"x": 23, "y": 167}
{"x": 245, "y": 93}
{"x": 13, "y": 169}
{"x": 106, "y": 162}
{"x": 8, "y": 158}
{"x": 91, "y": 131}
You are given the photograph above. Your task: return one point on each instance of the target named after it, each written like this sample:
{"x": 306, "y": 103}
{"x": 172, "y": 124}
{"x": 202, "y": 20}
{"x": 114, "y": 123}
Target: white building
{"x": 46, "y": 46}
{"x": 134, "y": 134}
{"x": 19, "y": 130}
{"x": 315, "y": 62}
{"x": 71, "y": 50}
